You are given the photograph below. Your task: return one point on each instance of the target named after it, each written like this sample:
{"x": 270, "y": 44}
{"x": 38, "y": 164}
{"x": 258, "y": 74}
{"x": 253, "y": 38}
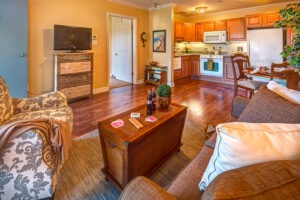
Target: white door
{"x": 13, "y": 45}
{"x": 121, "y": 55}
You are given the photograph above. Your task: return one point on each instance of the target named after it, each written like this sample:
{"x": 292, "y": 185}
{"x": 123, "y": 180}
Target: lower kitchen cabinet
{"x": 186, "y": 66}
{"x": 177, "y": 74}
{"x": 196, "y": 66}
{"x": 228, "y": 70}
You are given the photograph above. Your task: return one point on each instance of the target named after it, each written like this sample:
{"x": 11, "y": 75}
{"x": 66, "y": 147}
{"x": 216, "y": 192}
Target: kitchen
{"x": 202, "y": 50}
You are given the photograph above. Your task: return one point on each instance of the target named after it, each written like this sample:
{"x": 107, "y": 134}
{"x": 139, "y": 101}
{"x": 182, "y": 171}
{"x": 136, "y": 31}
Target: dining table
{"x": 263, "y": 74}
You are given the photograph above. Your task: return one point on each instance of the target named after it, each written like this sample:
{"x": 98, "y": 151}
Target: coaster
{"x": 118, "y": 123}
{"x": 150, "y": 119}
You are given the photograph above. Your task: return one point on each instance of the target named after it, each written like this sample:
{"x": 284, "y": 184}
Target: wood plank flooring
{"x": 207, "y": 102}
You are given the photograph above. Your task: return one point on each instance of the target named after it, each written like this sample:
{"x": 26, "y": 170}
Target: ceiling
{"x": 187, "y": 7}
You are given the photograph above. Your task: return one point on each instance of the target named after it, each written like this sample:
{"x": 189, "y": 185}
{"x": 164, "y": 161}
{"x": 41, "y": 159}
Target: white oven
{"x": 211, "y": 65}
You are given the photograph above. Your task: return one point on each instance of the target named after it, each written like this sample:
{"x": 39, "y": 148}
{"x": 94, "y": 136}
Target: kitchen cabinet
{"x": 228, "y": 75}
{"x": 262, "y": 20}
{"x": 270, "y": 18}
{"x": 220, "y": 25}
{"x": 209, "y": 26}
{"x": 186, "y": 66}
{"x": 254, "y": 21}
{"x": 179, "y": 30}
{"x": 199, "y": 32}
{"x": 236, "y": 29}
{"x": 189, "y": 29}
{"x": 177, "y": 74}
{"x": 196, "y": 66}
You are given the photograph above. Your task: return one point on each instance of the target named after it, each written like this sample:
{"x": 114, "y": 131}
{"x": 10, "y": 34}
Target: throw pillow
{"x": 6, "y": 107}
{"x": 243, "y": 144}
{"x": 289, "y": 94}
{"x": 268, "y": 107}
{"x": 280, "y": 179}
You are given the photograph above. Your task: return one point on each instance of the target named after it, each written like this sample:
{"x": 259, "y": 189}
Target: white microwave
{"x": 215, "y": 37}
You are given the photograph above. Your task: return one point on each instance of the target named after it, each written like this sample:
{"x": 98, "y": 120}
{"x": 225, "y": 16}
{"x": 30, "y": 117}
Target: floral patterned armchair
{"x": 29, "y": 167}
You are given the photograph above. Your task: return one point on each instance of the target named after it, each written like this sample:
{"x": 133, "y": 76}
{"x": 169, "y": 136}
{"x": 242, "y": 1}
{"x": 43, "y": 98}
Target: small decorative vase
{"x": 164, "y": 102}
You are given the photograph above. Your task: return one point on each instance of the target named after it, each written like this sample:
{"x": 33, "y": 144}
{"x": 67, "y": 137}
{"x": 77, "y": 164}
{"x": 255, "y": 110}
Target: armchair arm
{"x": 142, "y": 188}
{"x": 41, "y": 102}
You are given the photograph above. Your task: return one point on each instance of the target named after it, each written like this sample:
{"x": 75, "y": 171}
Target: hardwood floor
{"x": 207, "y": 102}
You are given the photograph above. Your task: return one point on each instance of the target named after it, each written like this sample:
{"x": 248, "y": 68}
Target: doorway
{"x": 121, "y": 52}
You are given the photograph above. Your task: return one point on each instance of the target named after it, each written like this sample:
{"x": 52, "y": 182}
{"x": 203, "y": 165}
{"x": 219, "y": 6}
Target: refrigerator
{"x": 264, "y": 46}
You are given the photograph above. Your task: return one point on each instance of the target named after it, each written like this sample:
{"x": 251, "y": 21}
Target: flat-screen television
{"x": 72, "y": 38}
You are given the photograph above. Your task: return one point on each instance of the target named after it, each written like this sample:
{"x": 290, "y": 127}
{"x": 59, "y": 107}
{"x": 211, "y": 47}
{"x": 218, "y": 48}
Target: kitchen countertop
{"x": 199, "y": 53}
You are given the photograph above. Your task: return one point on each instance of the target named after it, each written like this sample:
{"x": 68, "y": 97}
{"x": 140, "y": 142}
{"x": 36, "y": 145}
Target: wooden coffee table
{"x": 129, "y": 152}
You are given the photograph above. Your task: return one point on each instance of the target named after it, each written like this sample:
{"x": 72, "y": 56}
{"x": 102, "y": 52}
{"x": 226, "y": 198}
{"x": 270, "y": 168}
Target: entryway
{"x": 121, "y": 51}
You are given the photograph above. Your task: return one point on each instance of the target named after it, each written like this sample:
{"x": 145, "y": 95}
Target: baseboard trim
{"x": 141, "y": 81}
{"x": 100, "y": 90}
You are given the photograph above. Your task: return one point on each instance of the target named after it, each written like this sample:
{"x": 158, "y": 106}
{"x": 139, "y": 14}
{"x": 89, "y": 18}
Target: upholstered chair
{"x": 29, "y": 162}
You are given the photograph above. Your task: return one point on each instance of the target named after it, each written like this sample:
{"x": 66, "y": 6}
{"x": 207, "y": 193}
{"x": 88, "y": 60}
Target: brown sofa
{"x": 265, "y": 106}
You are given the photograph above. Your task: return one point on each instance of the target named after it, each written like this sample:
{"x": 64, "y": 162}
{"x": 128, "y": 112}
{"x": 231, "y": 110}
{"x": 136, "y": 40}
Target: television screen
{"x": 72, "y": 38}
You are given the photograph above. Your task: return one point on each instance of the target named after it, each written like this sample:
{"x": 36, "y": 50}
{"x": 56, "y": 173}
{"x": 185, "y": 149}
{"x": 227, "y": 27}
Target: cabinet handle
{"x": 112, "y": 145}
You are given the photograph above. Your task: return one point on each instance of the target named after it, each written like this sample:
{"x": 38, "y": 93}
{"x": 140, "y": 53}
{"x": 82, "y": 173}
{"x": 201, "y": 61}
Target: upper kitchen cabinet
{"x": 179, "y": 30}
{"x": 190, "y": 35}
{"x": 270, "y": 18}
{"x": 254, "y": 21}
{"x": 199, "y": 31}
{"x": 220, "y": 25}
{"x": 262, "y": 20}
{"x": 236, "y": 29}
{"x": 209, "y": 26}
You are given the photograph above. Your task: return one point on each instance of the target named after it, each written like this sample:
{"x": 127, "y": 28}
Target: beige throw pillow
{"x": 289, "y": 94}
{"x": 242, "y": 144}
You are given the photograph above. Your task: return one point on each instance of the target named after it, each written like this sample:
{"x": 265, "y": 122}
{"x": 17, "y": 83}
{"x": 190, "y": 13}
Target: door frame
{"x": 134, "y": 45}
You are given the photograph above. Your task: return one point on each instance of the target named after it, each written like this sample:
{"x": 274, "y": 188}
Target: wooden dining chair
{"x": 239, "y": 63}
{"x": 277, "y": 65}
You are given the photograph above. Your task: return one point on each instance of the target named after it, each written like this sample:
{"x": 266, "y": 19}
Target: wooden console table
{"x": 129, "y": 152}
{"x": 156, "y": 75}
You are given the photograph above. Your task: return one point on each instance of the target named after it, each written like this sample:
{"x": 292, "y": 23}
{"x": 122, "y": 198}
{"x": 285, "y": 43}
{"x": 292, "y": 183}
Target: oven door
{"x": 211, "y": 67}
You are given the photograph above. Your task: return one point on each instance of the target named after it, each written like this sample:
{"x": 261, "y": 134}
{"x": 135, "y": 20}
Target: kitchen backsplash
{"x": 199, "y": 46}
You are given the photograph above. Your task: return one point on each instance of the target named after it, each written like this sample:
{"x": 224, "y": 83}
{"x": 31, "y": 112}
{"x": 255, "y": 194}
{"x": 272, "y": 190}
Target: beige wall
{"x": 162, "y": 19}
{"x": 43, "y": 14}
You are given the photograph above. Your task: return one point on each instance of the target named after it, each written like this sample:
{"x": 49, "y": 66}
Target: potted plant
{"x": 164, "y": 92}
{"x": 290, "y": 18}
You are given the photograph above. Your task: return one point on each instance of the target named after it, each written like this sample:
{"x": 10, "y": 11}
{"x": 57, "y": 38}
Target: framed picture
{"x": 159, "y": 41}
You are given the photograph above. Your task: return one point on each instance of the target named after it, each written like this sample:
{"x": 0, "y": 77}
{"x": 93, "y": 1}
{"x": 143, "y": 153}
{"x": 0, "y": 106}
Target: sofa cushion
{"x": 242, "y": 144}
{"x": 289, "y": 94}
{"x": 268, "y": 107}
{"x": 280, "y": 179}
{"x": 6, "y": 107}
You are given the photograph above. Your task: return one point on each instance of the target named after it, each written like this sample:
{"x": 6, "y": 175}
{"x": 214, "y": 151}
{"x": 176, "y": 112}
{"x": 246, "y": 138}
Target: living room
{"x": 209, "y": 101}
